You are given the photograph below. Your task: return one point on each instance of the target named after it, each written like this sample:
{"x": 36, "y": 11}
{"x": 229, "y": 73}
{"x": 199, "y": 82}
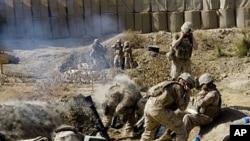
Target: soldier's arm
{"x": 208, "y": 99}
{"x": 183, "y": 98}
{"x": 177, "y": 40}
{"x": 125, "y": 105}
{"x": 195, "y": 45}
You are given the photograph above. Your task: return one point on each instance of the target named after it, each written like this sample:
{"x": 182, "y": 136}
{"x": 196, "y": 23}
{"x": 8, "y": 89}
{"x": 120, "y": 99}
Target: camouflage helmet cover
{"x": 188, "y": 78}
{"x": 187, "y": 27}
{"x": 205, "y": 79}
{"x": 96, "y": 41}
{"x": 118, "y": 41}
{"x": 126, "y": 43}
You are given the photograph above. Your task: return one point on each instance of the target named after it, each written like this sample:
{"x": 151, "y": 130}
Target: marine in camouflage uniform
{"x": 181, "y": 51}
{"x": 164, "y": 99}
{"x": 121, "y": 100}
{"x": 207, "y": 104}
{"x": 97, "y": 54}
{"x": 118, "y": 59}
{"x": 67, "y": 133}
{"x": 127, "y": 52}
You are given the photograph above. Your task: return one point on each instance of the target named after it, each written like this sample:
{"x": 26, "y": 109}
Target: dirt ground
{"x": 40, "y": 73}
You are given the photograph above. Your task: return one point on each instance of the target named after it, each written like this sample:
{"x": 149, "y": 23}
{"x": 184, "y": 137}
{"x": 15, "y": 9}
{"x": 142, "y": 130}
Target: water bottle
{"x": 246, "y": 119}
{"x": 197, "y": 138}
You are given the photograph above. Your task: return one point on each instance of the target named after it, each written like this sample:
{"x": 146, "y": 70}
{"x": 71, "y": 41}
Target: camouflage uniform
{"x": 181, "y": 54}
{"x": 97, "y": 54}
{"x": 118, "y": 59}
{"x": 207, "y": 104}
{"x": 67, "y": 133}
{"x": 127, "y": 52}
{"x": 159, "y": 110}
{"x": 121, "y": 99}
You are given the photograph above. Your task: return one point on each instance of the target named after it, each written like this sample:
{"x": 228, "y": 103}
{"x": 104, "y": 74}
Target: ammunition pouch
{"x": 183, "y": 52}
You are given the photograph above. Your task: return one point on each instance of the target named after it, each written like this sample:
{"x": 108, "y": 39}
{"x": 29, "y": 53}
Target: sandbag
{"x": 226, "y": 18}
{"x": 211, "y": 4}
{"x": 242, "y": 17}
{"x": 209, "y": 19}
{"x": 159, "y": 21}
{"x": 193, "y": 5}
{"x": 175, "y": 21}
{"x": 227, "y": 4}
{"x": 143, "y": 22}
{"x": 194, "y": 17}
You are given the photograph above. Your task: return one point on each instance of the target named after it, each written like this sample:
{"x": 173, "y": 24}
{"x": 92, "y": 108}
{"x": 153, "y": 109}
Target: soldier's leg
{"x": 122, "y": 63}
{"x": 170, "y": 120}
{"x": 175, "y": 69}
{"x": 129, "y": 126}
{"x": 150, "y": 128}
{"x": 116, "y": 61}
{"x": 166, "y": 135}
{"x": 126, "y": 63}
{"x": 187, "y": 66}
{"x": 190, "y": 121}
{"x": 108, "y": 114}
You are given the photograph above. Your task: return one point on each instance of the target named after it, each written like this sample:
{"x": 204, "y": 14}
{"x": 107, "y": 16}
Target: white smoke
{"x": 120, "y": 79}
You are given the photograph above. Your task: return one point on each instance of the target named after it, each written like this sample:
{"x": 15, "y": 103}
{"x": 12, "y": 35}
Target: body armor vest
{"x": 184, "y": 49}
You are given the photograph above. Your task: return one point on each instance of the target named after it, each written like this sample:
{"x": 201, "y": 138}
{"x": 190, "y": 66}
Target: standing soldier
{"x": 181, "y": 51}
{"x": 127, "y": 52}
{"x": 164, "y": 99}
{"x": 121, "y": 101}
{"x": 97, "y": 54}
{"x": 118, "y": 60}
{"x": 207, "y": 104}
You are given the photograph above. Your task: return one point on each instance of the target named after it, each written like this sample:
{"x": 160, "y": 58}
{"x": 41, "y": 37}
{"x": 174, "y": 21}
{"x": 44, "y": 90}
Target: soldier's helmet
{"x": 126, "y": 43}
{"x": 96, "y": 41}
{"x": 205, "y": 79}
{"x": 188, "y": 78}
{"x": 118, "y": 41}
{"x": 187, "y": 27}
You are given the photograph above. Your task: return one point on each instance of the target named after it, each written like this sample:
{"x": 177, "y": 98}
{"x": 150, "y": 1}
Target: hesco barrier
{"x": 51, "y": 19}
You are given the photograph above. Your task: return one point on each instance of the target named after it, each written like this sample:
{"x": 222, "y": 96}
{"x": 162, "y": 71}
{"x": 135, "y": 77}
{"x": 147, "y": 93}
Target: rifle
{"x": 100, "y": 125}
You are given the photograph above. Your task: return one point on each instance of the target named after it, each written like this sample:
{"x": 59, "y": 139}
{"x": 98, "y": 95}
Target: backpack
{"x": 157, "y": 89}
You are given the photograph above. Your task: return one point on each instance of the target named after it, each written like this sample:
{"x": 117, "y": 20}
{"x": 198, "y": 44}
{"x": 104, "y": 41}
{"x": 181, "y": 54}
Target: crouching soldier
{"x": 164, "y": 99}
{"x": 207, "y": 104}
{"x": 67, "y": 133}
{"x": 121, "y": 100}
{"x": 70, "y": 133}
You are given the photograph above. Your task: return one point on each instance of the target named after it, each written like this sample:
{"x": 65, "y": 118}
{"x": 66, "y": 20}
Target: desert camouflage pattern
{"x": 118, "y": 54}
{"x": 127, "y": 52}
{"x": 208, "y": 105}
{"x": 68, "y": 136}
{"x": 187, "y": 27}
{"x": 159, "y": 110}
{"x": 67, "y": 133}
{"x": 121, "y": 100}
{"x": 179, "y": 66}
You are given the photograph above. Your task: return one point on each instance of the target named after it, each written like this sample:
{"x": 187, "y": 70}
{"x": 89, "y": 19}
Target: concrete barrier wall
{"x": 51, "y": 19}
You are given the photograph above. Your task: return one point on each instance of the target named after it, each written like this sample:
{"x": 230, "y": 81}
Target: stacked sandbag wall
{"x": 142, "y": 10}
{"x": 52, "y": 19}
{"x": 242, "y": 13}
